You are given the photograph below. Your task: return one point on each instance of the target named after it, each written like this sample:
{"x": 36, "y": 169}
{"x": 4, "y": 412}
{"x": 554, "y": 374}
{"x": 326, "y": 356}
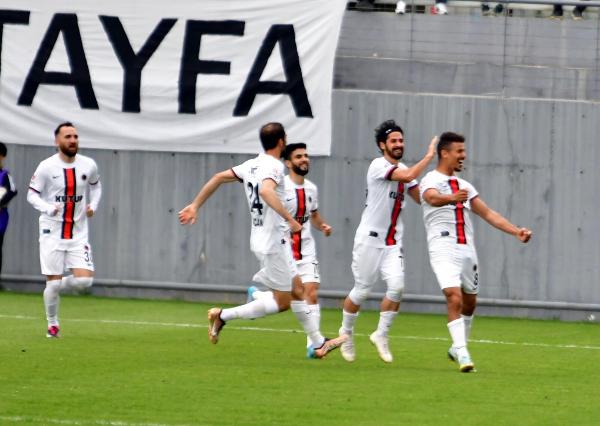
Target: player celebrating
{"x": 378, "y": 240}
{"x": 263, "y": 177}
{"x": 301, "y": 200}
{"x": 447, "y": 201}
{"x": 58, "y": 189}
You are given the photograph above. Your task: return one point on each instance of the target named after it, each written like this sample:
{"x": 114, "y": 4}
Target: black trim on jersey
{"x": 236, "y": 176}
{"x": 35, "y": 190}
{"x": 388, "y": 175}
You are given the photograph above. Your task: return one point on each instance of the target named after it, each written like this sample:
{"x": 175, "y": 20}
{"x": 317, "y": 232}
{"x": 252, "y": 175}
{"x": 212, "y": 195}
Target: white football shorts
{"x": 369, "y": 263}
{"x": 455, "y": 265}
{"x": 309, "y": 271}
{"x": 277, "y": 269}
{"x": 58, "y": 255}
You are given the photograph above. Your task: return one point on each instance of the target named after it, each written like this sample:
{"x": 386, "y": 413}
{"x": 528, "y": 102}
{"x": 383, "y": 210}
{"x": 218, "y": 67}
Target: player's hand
{"x": 460, "y": 196}
{"x": 54, "y": 211}
{"x": 294, "y": 226}
{"x": 524, "y": 235}
{"x": 89, "y": 212}
{"x": 188, "y": 215}
{"x": 432, "y": 149}
{"x": 326, "y": 229}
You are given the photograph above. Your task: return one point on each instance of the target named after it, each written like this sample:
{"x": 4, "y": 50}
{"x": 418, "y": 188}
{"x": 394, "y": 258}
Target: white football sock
{"x": 258, "y": 294}
{"x": 457, "y": 332}
{"x": 51, "y": 301}
{"x": 316, "y": 313}
{"x": 348, "y": 320}
{"x": 309, "y": 324}
{"x": 385, "y": 322}
{"x": 255, "y": 309}
{"x": 468, "y": 320}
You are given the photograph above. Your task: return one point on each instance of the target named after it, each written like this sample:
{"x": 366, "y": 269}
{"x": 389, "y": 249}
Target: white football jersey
{"x": 450, "y": 222}
{"x": 267, "y": 227}
{"x": 301, "y": 201}
{"x": 381, "y": 224}
{"x": 65, "y": 185}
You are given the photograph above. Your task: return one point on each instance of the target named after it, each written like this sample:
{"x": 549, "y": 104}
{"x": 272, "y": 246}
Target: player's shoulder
{"x": 310, "y": 185}
{"x": 49, "y": 163}
{"x": 379, "y": 162}
{"x": 402, "y": 166}
{"x": 84, "y": 159}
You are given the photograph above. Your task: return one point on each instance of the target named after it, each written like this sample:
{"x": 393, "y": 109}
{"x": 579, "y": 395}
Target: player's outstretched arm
{"x": 318, "y": 222}
{"x": 268, "y": 194}
{"x": 436, "y": 199}
{"x": 410, "y": 174}
{"x": 189, "y": 213}
{"x": 498, "y": 221}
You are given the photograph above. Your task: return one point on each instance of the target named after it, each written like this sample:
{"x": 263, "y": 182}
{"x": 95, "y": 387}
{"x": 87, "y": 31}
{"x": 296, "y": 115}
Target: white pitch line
{"x": 288, "y": 330}
{"x": 21, "y": 419}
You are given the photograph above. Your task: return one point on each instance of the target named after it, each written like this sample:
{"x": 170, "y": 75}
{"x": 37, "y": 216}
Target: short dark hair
{"x": 3, "y": 150}
{"x": 61, "y": 125}
{"x": 384, "y": 129}
{"x": 289, "y": 149}
{"x": 270, "y": 134}
{"x": 446, "y": 139}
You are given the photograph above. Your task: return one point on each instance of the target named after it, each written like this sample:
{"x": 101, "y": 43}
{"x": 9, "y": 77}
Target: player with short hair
{"x": 447, "y": 200}
{"x": 301, "y": 200}
{"x": 378, "y": 240}
{"x": 59, "y": 190}
{"x": 263, "y": 179}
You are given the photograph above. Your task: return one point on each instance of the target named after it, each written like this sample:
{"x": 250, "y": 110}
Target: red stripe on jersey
{"x": 461, "y": 237}
{"x": 390, "y": 239}
{"x": 300, "y": 212}
{"x": 69, "y": 213}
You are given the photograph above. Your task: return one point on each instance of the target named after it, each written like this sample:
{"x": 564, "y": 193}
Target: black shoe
{"x": 485, "y": 9}
{"x": 499, "y": 9}
{"x": 557, "y": 12}
{"x": 577, "y": 14}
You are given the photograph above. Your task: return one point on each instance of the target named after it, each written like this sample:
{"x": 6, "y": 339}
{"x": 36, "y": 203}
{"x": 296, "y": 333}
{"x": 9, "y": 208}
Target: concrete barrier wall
{"x": 532, "y": 159}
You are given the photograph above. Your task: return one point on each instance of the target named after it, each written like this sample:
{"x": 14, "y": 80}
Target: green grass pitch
{"x": 139, "y": 362}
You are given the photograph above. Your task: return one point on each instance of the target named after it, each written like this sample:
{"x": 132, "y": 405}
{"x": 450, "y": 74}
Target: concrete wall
{"x": 532, "y": 158}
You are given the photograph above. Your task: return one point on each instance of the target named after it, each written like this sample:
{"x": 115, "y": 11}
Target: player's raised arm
{"x": 189, "y": 213}
{"x": 268, "y": 194}
{"x": 410, "y": 174}
{"x": 498, "y": 221}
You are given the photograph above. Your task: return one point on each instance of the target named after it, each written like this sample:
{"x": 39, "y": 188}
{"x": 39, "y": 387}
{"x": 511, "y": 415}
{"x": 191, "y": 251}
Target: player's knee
{"x": 53, "y": 285}
{"x": 82, "y": 283}
{"x": 395, "y": 289}
{"x": 358, "y": 294}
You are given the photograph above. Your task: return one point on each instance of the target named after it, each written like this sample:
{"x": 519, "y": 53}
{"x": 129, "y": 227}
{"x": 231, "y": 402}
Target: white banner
{"x": 177, "y": 75}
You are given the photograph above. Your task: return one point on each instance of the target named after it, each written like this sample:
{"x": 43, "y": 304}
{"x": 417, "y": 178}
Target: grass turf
{"x": 139, "y": 362}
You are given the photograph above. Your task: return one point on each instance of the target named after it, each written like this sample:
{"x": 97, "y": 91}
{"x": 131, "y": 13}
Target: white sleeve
{"x": 33, "y": 197}
{"x": 38, "y": 180}
{"x": 316, "y": 200}
{"x": 95, "y": 194}
{"x": 471, "y": 189}
{"x": 273, "y": 171}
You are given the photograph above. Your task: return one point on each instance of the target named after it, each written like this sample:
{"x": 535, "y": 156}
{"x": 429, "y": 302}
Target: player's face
{"x": 67, "y": 141}
{"x": 457, "y": 155}
{"x": 299, "y": 162}
{"x": 394, "y": 145}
